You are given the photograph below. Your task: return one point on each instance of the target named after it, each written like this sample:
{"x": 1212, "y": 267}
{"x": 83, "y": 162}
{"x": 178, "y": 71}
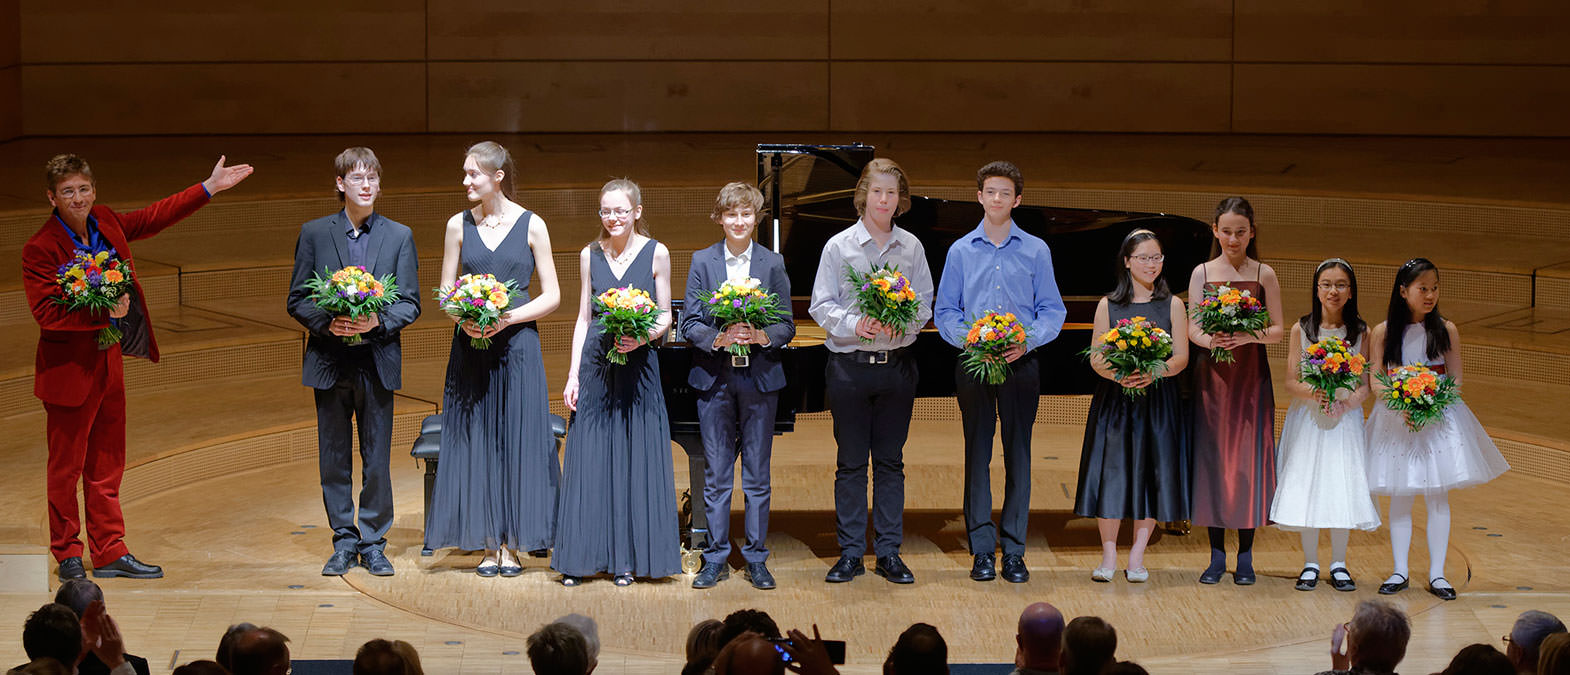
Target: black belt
{"x": 876, "y": 358}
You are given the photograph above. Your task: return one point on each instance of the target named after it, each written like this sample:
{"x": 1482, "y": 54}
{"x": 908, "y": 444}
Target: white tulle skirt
{"x": 1451, "y": 453}
{"x": 1321, "y": 473}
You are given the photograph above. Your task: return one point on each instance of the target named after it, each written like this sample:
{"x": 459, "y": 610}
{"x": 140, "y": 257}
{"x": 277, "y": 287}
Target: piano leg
{"x": 697, "y": 466}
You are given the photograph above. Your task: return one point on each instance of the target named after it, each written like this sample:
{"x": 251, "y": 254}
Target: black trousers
{"x": 358, "y": 396}
{"x": 871, "y": 404}
{"x": 981, "y": 406}
{"x": 737, "y": 419}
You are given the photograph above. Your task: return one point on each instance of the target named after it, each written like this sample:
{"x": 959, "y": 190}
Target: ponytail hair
{"x": 492, "y": 157}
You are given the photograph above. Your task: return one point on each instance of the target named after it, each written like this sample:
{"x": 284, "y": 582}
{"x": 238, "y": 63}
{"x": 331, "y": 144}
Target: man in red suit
{"x": 82, "y": 384}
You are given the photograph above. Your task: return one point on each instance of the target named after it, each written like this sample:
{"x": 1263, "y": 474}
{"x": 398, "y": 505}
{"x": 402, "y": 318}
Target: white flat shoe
{"x": 1102, "y": 574}
{"x": 1137, "y": 576}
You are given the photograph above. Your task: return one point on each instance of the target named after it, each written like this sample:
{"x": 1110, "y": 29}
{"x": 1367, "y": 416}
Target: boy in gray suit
{"x": 736, "y": 398}
{"x": 355, "y": 381}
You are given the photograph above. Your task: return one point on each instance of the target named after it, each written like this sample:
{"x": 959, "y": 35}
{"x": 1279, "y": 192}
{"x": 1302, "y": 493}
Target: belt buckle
{"x": 740, "y": 360}
{"x": 880, "y": 357}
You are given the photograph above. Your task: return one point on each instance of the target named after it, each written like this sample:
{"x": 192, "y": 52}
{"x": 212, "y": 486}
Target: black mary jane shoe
{"x": 1388, "y": 588}
{"x": 1212, "y": 575}
{"x": 1307, "y": 579}
{"x": 1337, "y": 582}
{"x": 1444, "y": 592}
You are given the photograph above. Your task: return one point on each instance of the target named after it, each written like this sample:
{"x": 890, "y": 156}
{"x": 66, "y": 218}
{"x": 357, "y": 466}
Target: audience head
{"x": 78, "y": 594}
{"x": 1125, "y": 668}
{"x": 385, "y": 657}
{"x": 920, "y": 650}
{"x": 1039, "y": 638}
{"x": 743, "y": 620}
{"x": 225, "y": 655}
{"x": 1525, "y": 637}
{"x": 259, "y": 651}
{"x": 703, "y": 644}
{"x": 590, "y": 632}
{"x": 558, "y": 649}
{"x": 55, "y": 632}
{"x": 1089, "y": 644}
{"x": 1377, "y": 636}
{"x": 1553, "y": 655}
{"x": 200, "y": 668}
{"x": 749, "y": 654}
{"x": 1479, "y": 659}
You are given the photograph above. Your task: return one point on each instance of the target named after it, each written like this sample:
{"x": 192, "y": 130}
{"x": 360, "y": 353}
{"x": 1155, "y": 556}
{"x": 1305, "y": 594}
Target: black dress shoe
{"x": 892, "y": 568}
{"x": 128, "y": 566}
{"x": 1392, "y": 589}
{"x": 1307, "y": 579}
{"x": 377, "y": 563}
{"x": 981, "y": 568}
{"x": 71, "y": 568}
{"x": 758, "y": 574}
{"x": 1212, "y": 574}
{"x": 540, "y": 553}
{"x": 1014, "y": 570}
{"x": 340, "y": 563}
{"x": 845, "y": 569}
{"x": 711, "y": 575}
{"x": 1441, "y": 592}
{"x": 1344, "y": 585}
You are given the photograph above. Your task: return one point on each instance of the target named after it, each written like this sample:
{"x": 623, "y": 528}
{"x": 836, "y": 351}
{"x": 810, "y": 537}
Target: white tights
{"x": 1438, "y": 531}
{"x": 1338, "y": 541}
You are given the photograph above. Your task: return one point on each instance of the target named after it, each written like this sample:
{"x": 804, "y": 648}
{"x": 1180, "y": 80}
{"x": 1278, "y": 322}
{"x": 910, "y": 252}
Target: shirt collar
{"x": 863, "y": 235}
{"x": 92, "y": 230}
{"x": 746, "y": 256}
{"x": 980, "y": 234}
{"x": 365, "y": 228}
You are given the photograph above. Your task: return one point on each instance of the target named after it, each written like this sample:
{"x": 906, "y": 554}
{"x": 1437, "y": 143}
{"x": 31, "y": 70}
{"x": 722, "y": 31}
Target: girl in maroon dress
{"x": 1234, "y": 406}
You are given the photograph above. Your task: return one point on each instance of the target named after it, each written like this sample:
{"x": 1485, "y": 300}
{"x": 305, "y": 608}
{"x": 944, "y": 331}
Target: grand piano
{"x": 808, "y": 193}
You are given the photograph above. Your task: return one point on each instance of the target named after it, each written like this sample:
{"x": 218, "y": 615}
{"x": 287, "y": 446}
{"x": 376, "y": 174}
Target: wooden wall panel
{"x": 534, "y": 96}
{"x": 1473, "y": 32}
{"x": 619, "y": 30}
{"x": 225, "y": 98}
{"x": 10, "y": 33}
{"x": 10, "y": 103}
{"x": 1059, "y": 30}
{"x": 1438, "y": 100}
{"x": 1004, "y": 96}
{"x": 194, "y": 30}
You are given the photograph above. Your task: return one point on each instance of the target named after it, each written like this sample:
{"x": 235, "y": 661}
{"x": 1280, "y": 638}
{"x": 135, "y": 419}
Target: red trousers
{"x": 87, "y": 445}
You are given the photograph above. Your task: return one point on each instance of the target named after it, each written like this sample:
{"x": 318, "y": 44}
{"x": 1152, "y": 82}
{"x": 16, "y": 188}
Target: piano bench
{"x": 428, "y": 448}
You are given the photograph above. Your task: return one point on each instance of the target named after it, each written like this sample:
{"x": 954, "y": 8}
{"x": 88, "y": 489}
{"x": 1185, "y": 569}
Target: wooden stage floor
{"x": 243, "y": 538}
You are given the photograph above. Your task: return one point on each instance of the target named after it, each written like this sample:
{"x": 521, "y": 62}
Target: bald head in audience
{"x": 259, "y": 651}
{"x": 749, "y": 654}
{"x": 1039, "y": 639}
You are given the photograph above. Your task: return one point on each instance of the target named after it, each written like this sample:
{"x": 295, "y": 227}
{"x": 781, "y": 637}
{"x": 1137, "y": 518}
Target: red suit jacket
{"x": 68, "y": 358}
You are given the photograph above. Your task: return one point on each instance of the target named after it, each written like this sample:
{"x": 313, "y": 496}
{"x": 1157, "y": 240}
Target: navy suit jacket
{"x": 706, "y": 275}
{"x": 323, "y": 246}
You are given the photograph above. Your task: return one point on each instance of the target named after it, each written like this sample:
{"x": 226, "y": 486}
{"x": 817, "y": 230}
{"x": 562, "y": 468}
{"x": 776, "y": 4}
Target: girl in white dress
{"x": 1321, "y": 478}
{"x": 1451, "y": 453}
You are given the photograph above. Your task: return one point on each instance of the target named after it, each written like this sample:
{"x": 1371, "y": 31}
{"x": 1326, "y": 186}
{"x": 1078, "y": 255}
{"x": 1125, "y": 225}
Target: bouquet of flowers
{"x": 351, "y": 292}
{"x": 625, "y": 312}
{"x": 885, "y": 295}
{"x": 1329, "y": 366}
{"x": 989, "y": 337}
{"x": 95, "y": 281}
{"x": 1419, "y": 393}
{"x": 744, "y": 301}
{"x": 479, "y": 299}
{"x": 1225, "y": 309}
{"x": 1134, "y": 345}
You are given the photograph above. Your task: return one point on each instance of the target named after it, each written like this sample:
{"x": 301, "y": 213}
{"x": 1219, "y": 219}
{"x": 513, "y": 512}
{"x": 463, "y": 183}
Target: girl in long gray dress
{"x": 617, "y": 512}
{"x": 496, "y": 482}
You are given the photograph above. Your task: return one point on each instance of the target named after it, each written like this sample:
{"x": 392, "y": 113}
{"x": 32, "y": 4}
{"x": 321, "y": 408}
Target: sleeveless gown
{"x": 1322, "y": 479}
{"x": 1234, "y": 434}
{"x": 1454, "y": 452}
{"x": 617, "y": 512}
{"x": 497, "y": 479}
{"x": 1134, "y": 463}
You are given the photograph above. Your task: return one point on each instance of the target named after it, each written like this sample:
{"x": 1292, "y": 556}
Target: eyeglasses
{"x": 359, "y": 179}
{"x": 1148, "y": 259}
{"x": 1506, "y": 639}
{"x": 618, "y": 213}
{"x": 70, "y": 193}
{"x": 1343, "y": 287}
